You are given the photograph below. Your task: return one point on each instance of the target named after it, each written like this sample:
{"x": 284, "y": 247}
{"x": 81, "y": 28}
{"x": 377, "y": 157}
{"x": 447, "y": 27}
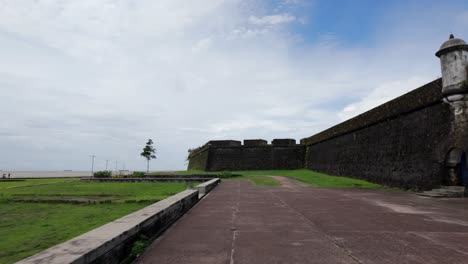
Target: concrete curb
{"x": 206, "y": 187}
{"x": 208, "y": 176}
{"x": 144, "y": 179}
{"x": 111, "y": 242}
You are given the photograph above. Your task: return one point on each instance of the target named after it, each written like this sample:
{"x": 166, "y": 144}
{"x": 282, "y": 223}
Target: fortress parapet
{"x": 283, "y": 142}
{"x": 416, "y": 141}
{"x": 255, "y": 142}
{"x": 224, "y": 143}
{"x": 254, "y": 154}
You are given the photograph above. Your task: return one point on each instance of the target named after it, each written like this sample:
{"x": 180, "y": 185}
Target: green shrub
{"x": 103, "y": 174}
{"x": 139, "y": 246}
{"x": 137, "y": 174}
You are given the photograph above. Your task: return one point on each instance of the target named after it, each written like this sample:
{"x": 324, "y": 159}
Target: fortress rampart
{"x": 416, "y": 141}
{"x": 252, "y": 155}
{"x": 401, "y": 143}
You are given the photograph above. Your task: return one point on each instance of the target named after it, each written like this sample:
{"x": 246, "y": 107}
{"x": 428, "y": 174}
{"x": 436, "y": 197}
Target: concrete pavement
{"x": 241, "y": 223}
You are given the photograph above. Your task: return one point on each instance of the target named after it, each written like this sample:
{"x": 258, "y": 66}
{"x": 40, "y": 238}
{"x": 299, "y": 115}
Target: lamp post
{"x": 92, "y": 164}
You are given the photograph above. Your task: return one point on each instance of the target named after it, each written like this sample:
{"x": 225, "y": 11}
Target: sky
{"x": 101, "y": 77}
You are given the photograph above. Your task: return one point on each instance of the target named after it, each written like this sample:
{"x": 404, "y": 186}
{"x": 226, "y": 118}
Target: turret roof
{"x": 451, "y": 44}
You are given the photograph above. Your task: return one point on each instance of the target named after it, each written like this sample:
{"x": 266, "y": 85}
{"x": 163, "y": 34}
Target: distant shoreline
{"x": 46, "y": 174}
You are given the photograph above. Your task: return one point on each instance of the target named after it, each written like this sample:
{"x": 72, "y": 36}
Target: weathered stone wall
{"x": 256, "y": 158}
{"x": 253, "y": 155}
{"x": 405, "y": 143}
{"x": 401, "y": 143}
{"x": 198, "y": 159}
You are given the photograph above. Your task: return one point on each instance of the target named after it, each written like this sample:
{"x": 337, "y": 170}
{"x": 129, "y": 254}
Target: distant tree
{"x": 148, "y": 153}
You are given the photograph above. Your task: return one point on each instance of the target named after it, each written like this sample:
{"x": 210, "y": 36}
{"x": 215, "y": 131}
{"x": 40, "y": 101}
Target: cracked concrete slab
{"x": 242, "y": 223}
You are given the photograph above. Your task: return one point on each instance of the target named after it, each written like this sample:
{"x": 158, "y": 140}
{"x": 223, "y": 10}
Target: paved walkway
{"x": 241, "y": 223}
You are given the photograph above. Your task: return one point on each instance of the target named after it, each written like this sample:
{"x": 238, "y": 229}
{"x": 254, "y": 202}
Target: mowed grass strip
{"x": 316, "y": 179}
{"x": 312, "y": 178}
{"x": 27, "y": 228}
{"x": 259, "y": 180}
{"x": 18, "y": 182}
{"x": 187, "y": 172}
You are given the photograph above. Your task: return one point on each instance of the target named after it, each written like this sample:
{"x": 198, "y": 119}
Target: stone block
{"x": 284, "y": 142}
{"x": 224, "y": 143}
{"x": 206, "y": 187}
{"x": 255, "y": 142}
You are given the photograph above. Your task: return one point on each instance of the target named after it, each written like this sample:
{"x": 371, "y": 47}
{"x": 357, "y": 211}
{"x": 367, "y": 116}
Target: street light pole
{"x": 92, "y": 164}
{"x": 107, "y": 163}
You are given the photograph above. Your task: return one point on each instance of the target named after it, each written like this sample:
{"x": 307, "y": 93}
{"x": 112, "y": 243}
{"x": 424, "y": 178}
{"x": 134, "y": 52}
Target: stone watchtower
{"x": 453, "y": 56}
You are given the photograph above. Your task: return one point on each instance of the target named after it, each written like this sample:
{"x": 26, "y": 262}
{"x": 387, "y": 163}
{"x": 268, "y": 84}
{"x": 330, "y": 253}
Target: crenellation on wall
{"x": 254, "y": 154}
{"x": 255, "y": 142}
{"x": 283, "y": 142}
{"x": 224, "y": 143}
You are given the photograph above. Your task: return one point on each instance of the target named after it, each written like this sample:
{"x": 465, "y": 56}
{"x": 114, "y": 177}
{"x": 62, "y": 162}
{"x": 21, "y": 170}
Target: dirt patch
{"x": 288, "y": 182}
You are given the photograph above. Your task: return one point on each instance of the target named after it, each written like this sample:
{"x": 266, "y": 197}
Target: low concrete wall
{"x": 209, "y": 176}
{"x": 206, "y": 187}
{"x": 111, "y": 242}
{"x": 145, "y": 179}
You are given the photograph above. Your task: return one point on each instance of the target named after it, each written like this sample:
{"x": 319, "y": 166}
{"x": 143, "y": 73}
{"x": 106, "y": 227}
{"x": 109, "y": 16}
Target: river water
{"x": 45, "y": 174}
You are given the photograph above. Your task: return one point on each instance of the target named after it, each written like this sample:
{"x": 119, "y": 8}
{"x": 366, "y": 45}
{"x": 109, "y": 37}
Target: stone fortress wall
{"x": 417, "y": 140}
{"x": 401, "y": 143}
{"x": 254, "y": 154}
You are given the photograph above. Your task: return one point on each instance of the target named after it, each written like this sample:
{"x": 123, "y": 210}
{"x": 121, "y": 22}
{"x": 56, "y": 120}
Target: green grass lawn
{"x": 189, "y": 172}
{"x": 19, "y": 182}
{"x": 30, "y": 227}
{"x": 259, "y": 180}
{"x": 316, "y": 179}
{"x": 307, "y": 176}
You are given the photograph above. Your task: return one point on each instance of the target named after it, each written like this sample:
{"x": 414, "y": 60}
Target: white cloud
{"x": 381, "y": 94}
{"x": 101, "y": 77}
{"x": 272, "y": 19}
